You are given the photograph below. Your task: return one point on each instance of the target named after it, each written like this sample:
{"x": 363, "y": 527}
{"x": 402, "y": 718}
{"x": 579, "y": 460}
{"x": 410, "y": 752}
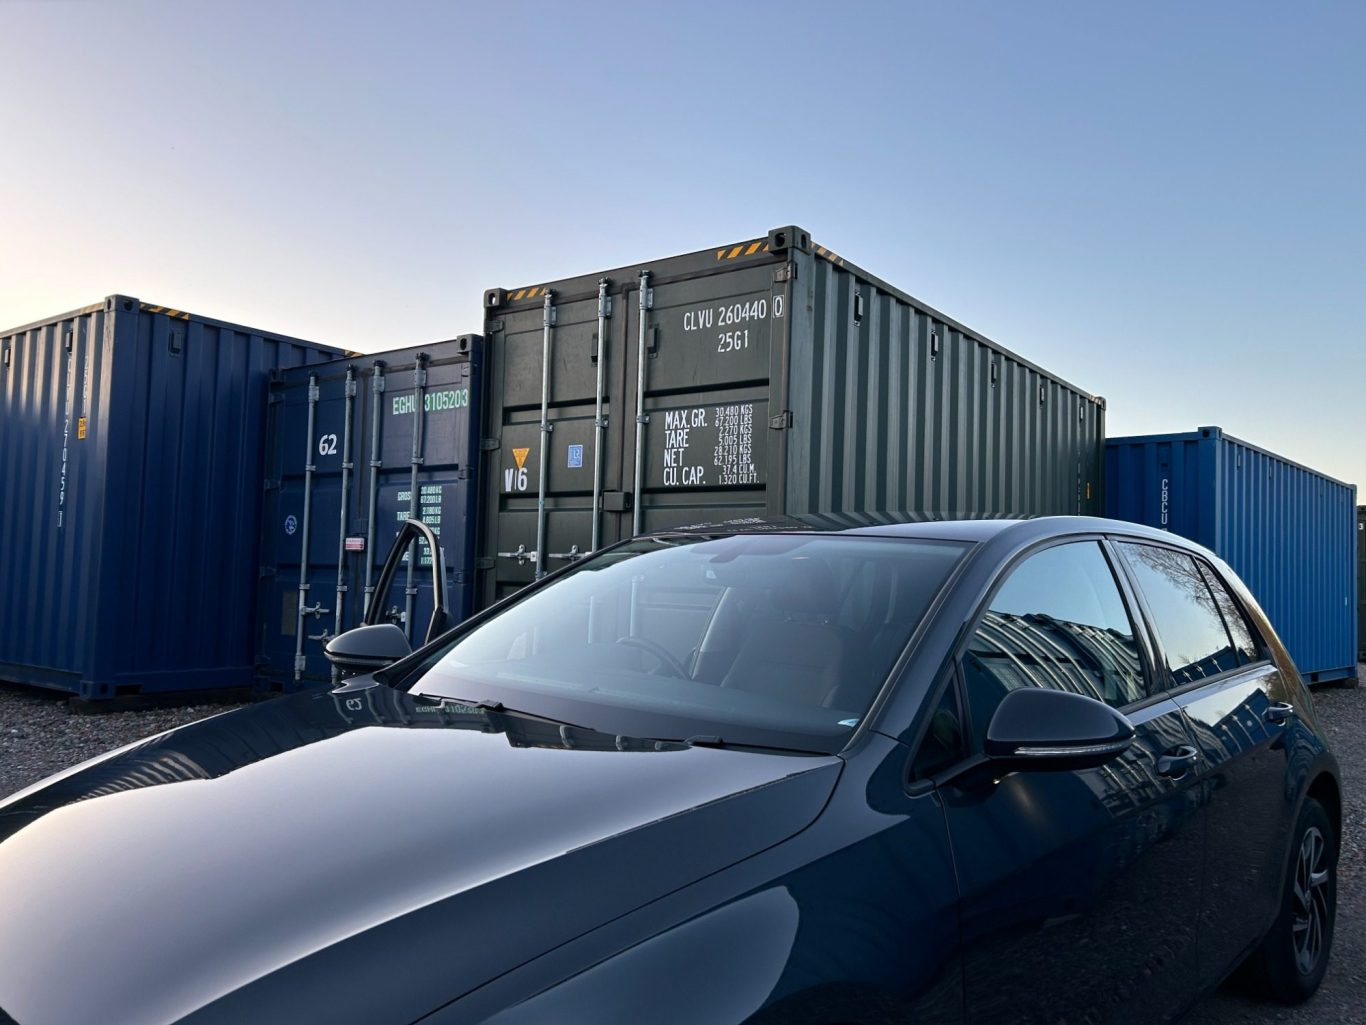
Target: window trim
{"x": 1170, "y": 688}
{"x": 1209, "y": 573}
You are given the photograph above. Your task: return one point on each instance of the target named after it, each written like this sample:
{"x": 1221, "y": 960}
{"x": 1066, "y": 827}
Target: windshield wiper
{"x": 709, "y": 740}
{"x": 498, "y": 708}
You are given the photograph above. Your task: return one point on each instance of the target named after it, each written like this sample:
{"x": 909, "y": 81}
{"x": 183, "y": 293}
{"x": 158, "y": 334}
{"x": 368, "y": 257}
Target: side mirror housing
{"x": 367, "y": 648}
{"x": 1035, "y": 729}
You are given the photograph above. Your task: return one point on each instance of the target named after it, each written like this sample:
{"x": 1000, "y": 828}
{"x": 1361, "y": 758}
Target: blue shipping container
{"x": 1361, "y": 582}
{"x": 1287, "y": 530}
{"x": 131, "y": 455}
{"x": 356, "y": 447}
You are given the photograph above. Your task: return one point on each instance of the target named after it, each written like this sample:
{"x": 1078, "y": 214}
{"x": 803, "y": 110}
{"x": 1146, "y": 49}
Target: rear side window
{"x": 1239, "y": 630}
{"x": 1185, "y": 613}
{"x": 1058, "y": 621}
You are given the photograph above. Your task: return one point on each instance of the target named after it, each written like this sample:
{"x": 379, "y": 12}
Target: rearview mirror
{"x": 1035, "y": 729}
{"x": 367, "y": 648}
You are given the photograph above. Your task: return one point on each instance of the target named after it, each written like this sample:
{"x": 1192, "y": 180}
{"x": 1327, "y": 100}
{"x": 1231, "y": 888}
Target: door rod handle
{"x": 1176, "y": 763}
{"x": 1278, "y": 712}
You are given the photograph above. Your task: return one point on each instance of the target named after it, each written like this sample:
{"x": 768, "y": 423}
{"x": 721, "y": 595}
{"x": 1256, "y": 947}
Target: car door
{"x": 1220, "y": 672}
{"x": 1077, "y": 888}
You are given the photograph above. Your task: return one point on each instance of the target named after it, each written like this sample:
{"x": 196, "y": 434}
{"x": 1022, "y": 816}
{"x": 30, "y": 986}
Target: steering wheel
{"x": 666, "y": 658}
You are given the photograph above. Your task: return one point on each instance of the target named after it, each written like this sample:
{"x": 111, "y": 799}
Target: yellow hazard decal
{"x": 520, "y": 455}
{"x": 80, "y": 428}
{"x": 742, "y": 249}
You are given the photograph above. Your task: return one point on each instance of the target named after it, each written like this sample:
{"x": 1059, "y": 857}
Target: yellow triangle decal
{"x": 520, "y": 455}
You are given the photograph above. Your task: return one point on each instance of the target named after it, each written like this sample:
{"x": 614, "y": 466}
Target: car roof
{"x": 971, "y": 529}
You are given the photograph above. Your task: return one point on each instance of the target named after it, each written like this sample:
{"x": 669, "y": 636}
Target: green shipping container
{"x": 760, "y": 378}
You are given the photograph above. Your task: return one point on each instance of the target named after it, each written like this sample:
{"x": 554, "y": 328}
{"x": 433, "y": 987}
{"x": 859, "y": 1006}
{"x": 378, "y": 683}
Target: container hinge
{"x": 781, "y": 422}
{"x": 266, "y": 573}
{"x": 785, "y": 272}
{"x": 490, "y": 445}
{"x": 273, "y": 399}
{"x": 493, "y": 327}
{"x": 464, "y": 473}
{"x": 271, "y": 484}
{"x": 484, "y": 563}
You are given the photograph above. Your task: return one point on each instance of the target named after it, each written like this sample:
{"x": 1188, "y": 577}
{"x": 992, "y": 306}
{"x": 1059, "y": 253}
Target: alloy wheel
{"x": 1311, "y": 900}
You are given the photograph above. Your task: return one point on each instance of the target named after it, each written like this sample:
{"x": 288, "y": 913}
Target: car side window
{"x": 1239, "y": 629}
{"x": 1058, "y": 621}
{"x": 1185, "y": 614}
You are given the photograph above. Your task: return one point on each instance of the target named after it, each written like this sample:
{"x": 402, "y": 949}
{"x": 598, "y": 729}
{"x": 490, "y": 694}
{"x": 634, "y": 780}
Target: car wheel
{"x": 1294, "y": 955}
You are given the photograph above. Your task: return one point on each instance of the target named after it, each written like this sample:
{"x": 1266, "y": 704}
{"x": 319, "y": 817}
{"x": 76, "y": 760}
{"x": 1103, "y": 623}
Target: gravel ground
{"x": 39, "y": 736}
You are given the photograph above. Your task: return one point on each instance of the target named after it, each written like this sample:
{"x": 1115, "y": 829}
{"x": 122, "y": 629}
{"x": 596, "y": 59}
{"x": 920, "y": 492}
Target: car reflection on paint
{"x": 1038, "y": 771}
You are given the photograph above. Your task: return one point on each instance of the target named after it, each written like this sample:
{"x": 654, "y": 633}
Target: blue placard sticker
{"x": 575, "y": 457}
{"x": 291, "y": 525}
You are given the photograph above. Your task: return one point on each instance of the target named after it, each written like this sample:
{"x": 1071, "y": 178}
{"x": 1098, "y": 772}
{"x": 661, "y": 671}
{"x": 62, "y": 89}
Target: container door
{"x": 304, "y": 513}
{"x": 699, "y": 375}
{"x": 421, "y": 420}
{"x": 545, "y": 467}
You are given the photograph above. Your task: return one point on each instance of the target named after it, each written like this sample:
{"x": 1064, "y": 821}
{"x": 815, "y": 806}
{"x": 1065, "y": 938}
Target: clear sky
{"x": 1163, "y": 202}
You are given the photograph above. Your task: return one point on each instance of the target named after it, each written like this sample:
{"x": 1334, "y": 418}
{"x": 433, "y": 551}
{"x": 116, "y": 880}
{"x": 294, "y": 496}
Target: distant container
{"x": 130, "y": 497}
{"x": 1287, "y": 530}
{"x": 346, "y": 442}
{"x": 1361, "y": 583}
{"x": 760, "y": 378}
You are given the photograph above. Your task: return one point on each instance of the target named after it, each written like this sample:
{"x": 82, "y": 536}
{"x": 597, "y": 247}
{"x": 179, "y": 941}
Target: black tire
{"x": 1293, "y": 956}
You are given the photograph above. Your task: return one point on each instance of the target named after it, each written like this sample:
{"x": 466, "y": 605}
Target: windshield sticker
{"x": 848, "y": 722}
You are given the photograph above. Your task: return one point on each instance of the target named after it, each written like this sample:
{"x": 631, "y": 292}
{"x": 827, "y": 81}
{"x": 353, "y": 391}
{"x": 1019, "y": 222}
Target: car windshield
{"x": 777, "y": 640}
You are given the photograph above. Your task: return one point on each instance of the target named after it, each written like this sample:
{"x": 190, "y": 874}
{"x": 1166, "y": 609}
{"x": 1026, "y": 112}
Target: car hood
{"x": 365, "y": 853}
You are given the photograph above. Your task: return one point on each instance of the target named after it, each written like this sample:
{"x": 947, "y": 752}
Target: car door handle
{"x": 1178, "y": 761}
{"x": 1278, "y": 712}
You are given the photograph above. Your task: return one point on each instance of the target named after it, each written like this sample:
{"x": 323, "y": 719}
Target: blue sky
{"x": 1163, "y": 202}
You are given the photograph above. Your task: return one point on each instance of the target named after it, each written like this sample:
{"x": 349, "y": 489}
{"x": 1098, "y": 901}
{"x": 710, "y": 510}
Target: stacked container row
{"x": 131, "y": 457}
{"x": 357, "y": 446}
{"x": 1289, "y": 531}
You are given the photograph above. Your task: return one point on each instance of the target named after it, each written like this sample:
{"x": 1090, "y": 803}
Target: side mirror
{"x": 367, "y": 648}
{"x": 1035, "y": 729}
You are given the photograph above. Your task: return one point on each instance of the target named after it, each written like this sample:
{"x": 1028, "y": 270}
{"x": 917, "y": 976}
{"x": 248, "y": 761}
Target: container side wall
{"x": 898, "y": 412}
{"x": 54, "y": 430}
{"x": 1288, "y": 531}
{"x": 1361, "y": 583}
{"x": 1290, "y": 535}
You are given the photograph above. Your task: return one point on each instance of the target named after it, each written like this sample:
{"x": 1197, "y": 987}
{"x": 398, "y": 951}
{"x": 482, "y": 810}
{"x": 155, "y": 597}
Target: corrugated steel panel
{"x": 130, "y": 468}
{"x": 763, "y": 378}
{"x": 1361, "y": 583}
{"x": 412, "y": 415}
{"x": 1287, "y": 530}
